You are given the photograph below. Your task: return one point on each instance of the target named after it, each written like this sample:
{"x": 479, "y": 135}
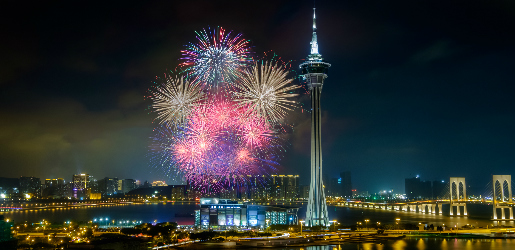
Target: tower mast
{"x": 314, "y": 71}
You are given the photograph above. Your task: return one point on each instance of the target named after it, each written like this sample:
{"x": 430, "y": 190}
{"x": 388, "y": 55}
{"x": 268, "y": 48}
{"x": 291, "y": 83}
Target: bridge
{"x": 501, "y": 200}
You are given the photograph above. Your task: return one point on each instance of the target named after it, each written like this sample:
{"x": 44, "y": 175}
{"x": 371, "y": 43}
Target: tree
{"x": 130, "y": 231}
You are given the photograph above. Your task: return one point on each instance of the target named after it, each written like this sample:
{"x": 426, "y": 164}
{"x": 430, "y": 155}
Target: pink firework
{"x": 211, "y": 134}
{"x": 256, "y": 133}
{"x": 219, "y": 141}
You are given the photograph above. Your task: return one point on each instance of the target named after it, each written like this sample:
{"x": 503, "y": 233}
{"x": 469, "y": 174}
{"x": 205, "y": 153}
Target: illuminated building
{"x": 284, "y": 187}
{"x": 95, "y": 196}
{"x": 169, "y": 192}
{"x": 108, "y": 186}
{"x": 59, "y": 182}
{"x": 159, "y": 183}
{"x": 224, "y": 213}
{"x": 30, "y": 187}
{"x": 80, "y": 181}
{"x": 314, "y": 71}
{"x": 80, "y": 184}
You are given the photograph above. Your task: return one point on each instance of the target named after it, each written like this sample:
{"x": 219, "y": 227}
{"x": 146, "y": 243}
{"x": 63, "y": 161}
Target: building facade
{"x": 30, "y": 187}
{"x": 80, "y": 181}
{"x": 284, "y": 187}
{"x": 417, "y": 189}
{"x": 108, "y": 186}
{"x": 224, "y": 213}
{"x": 80, "y": 184}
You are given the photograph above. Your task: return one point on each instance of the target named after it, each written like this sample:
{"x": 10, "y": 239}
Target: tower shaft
{"x": 314, "y": 71}
{"x": 317, "y": 207}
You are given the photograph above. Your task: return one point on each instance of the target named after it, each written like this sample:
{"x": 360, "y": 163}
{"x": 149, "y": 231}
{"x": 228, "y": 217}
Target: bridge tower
{"x": 459, "y": 202}
{"x": 501, "y": 179}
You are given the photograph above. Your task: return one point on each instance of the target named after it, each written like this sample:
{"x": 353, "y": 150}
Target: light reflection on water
{"x": 479, "y": 214}
{"x": 419, "y": 244}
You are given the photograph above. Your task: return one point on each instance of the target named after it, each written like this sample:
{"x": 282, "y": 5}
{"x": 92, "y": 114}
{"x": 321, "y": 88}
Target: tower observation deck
{"x": 314, "y": 71}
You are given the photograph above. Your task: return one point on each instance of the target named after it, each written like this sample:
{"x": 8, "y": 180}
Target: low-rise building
{"x": 225, "y": 213}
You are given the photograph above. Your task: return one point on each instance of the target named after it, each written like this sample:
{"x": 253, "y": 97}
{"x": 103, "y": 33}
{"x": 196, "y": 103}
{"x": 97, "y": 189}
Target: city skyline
{"x": 428, "y": 86}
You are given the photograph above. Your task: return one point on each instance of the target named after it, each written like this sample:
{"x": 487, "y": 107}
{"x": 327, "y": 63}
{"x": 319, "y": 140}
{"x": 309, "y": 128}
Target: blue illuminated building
{"x": 218, "y": 213}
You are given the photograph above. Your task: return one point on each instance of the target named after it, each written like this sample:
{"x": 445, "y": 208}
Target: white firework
{"x": 266, "y": 91}
{"x": 175, "y": 100}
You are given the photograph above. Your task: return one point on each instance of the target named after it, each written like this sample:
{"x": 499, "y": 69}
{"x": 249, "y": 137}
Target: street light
{"x": 366, "y": 223}
{"x": 267, "y": 220}
{"x": 301, "y": 222}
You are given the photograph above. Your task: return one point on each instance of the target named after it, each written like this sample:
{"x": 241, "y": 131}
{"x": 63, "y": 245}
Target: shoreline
{"x": 355, "y": 237}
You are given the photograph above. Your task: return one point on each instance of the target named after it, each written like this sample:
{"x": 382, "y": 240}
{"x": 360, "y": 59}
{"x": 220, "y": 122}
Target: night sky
{"x": 415, "y": 88}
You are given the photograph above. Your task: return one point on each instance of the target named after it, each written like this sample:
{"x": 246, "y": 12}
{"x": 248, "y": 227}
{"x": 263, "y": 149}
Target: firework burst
{"x": 221, "y": 125}
{"x": 216, "y": 57}
{"x": 266, "y": 91}
{"x": 217, "y": 142}
{"x": 175, "y": 99}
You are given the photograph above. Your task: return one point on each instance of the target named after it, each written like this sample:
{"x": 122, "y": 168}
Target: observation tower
{"x": 314, "y": 71}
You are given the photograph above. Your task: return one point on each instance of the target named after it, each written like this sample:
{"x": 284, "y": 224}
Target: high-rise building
{"x": 178, "y": 192}
{"x": 304, "y": 192}
{"x": 340, "y": 187}
{"x": 346, "y": 184}
{"x": 411, "y": 187}
{"x": 417, "y": 189}
{"x": 258, "y": 187}
{"x": 80, "y": 181}
{"x": 128, "y": 185}
{"x": 314, "y": 71}
{"x": 80, "y": 186}
{"x": 284, "y": 187}
{"x": 94, "y": 185}
{"x": 108, "y": 186}
{"x": 30, "y": 187}
{"x": 59, "y": 182}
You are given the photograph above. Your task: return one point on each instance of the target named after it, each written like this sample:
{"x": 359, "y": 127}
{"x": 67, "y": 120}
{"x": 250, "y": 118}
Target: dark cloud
{"x": 62, "y": 137}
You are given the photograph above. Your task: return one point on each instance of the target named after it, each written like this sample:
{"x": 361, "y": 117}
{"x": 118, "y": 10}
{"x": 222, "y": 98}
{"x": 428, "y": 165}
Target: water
{"x": 479, "y": 216}
{"x": 420, "y": 244}
{"x": 163, "y": 212}
{"x": 140, "y": 212}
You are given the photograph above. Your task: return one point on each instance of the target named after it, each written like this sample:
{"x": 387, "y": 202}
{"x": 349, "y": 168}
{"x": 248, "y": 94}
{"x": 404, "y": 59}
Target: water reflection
{"x": 420, "y": 244}
{"x": 479, "y": 214}
{"x": 444, "y": 244}
{"x": 398, "y": 245}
